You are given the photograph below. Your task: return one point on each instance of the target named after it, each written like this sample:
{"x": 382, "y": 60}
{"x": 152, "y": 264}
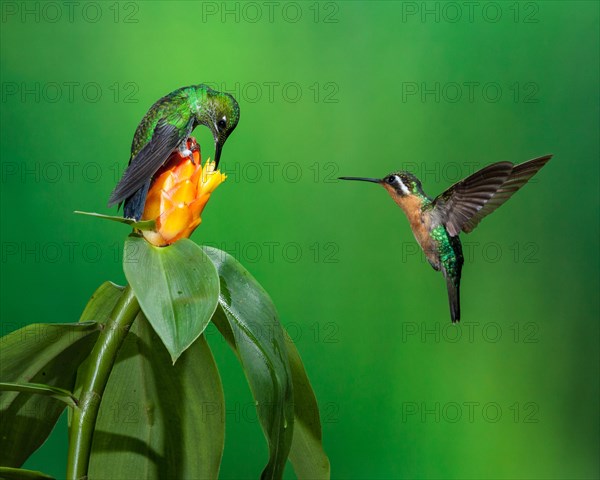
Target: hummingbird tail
{"x": 134, "y": 205}
{"x": 453, "y": 297}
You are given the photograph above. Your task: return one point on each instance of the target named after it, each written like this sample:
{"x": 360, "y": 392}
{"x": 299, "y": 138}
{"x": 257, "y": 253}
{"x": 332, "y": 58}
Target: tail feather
{"x": 453, "y": 286}
{"x": 134, "y": 205}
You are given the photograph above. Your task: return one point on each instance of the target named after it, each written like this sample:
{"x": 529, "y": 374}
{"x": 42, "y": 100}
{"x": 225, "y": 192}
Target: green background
{"x": 514, "y": 392}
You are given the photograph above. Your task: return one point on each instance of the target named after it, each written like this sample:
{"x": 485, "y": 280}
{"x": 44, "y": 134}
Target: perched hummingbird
{"x": 165, "y": 127}
{"x": 437, "y": 222}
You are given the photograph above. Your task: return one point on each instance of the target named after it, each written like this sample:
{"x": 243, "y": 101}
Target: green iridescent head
{"x": 403, "y": 183}
{"x": 220, "y": 112}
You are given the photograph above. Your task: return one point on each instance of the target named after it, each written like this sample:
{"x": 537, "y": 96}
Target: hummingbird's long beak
{"x": 218, "y": 148}
{"x": 361, "y": 179}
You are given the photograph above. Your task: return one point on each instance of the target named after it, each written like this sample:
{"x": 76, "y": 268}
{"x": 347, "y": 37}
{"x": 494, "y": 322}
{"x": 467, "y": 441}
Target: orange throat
{"x": 419, "y": 222}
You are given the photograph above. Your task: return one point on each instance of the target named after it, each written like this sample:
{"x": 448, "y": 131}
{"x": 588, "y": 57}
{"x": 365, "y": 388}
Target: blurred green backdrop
{"x": 328, "y": 89}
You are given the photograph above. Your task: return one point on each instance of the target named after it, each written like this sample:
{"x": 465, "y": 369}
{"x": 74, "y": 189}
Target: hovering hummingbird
{"x": 437, "y": 222}
{"x": 166, "y": 127}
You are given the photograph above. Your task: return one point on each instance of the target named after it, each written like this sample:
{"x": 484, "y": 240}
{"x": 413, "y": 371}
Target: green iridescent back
{"x": 176, "y": 108}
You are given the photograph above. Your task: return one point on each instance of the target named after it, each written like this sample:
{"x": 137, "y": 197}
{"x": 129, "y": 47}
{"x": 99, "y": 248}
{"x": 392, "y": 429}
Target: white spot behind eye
{"x": 403, "y": 187}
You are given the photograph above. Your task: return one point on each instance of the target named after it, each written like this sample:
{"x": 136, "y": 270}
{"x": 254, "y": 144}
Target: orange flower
{"x": 178, "y": 195}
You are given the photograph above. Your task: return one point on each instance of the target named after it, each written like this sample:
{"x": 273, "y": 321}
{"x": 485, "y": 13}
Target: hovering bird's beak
{"x": 361, "y": 179}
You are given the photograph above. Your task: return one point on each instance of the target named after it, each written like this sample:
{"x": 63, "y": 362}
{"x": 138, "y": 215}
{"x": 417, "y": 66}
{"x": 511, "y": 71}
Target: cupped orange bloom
{"x": 178, "y": 195}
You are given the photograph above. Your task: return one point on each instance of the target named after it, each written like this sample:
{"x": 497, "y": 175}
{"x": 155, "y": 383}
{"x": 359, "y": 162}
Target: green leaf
{"x": 37, "y": 353}
{"x": 101, "y": 303}
{"x": 177, "y": 287}
{"x": 248, "y": 312}
{"x": 307, "y": 455}
{"x": 159, "y": 420}
{"x": 41, "y": 389}
{"x": 7, "y": 473}
{"x": 143, "y": 225}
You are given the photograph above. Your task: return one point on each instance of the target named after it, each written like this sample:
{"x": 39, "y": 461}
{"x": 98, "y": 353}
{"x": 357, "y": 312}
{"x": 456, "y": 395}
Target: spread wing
{"x": 165, "y": 139}
{"x": 519, "y": 176}
{"x": 457, "y": 205}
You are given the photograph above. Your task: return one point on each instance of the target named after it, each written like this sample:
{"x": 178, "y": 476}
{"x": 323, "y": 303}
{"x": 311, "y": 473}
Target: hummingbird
{"x": 166, "y": 127}
{"x": 436, "y": 223}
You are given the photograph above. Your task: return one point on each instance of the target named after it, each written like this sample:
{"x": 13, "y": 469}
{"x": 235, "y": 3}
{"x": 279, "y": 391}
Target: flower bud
{"x": 178, "y": 194}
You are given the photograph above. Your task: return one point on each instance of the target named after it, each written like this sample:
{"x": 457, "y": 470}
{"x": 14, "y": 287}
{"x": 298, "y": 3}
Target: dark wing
{"x": 152, "y": 156}
{"x": 457, "y": 205}
{"x": 520, "y": 176}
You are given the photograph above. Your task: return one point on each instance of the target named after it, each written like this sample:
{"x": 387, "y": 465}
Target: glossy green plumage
{"x": 450, "y": 252}
{"x": 176, "y": 108}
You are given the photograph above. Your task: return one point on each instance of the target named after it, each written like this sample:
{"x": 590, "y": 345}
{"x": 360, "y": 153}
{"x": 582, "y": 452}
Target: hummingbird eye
{"x": 222, "y": 123}
{"x": 391, "y": 179}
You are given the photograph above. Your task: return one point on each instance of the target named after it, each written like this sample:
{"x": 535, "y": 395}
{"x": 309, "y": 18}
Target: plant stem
{"x": 95, "y": 378}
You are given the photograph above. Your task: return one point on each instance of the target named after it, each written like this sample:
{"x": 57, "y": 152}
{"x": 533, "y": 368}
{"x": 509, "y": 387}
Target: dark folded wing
{"x": 457, "y": 205}
{"x": 152, "y": 156}
{"x": 520, "y": 176}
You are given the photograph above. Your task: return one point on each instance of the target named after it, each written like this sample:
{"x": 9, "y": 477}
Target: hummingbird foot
{"x": 194, "y": 146}
{"x": 187, "y": 148}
